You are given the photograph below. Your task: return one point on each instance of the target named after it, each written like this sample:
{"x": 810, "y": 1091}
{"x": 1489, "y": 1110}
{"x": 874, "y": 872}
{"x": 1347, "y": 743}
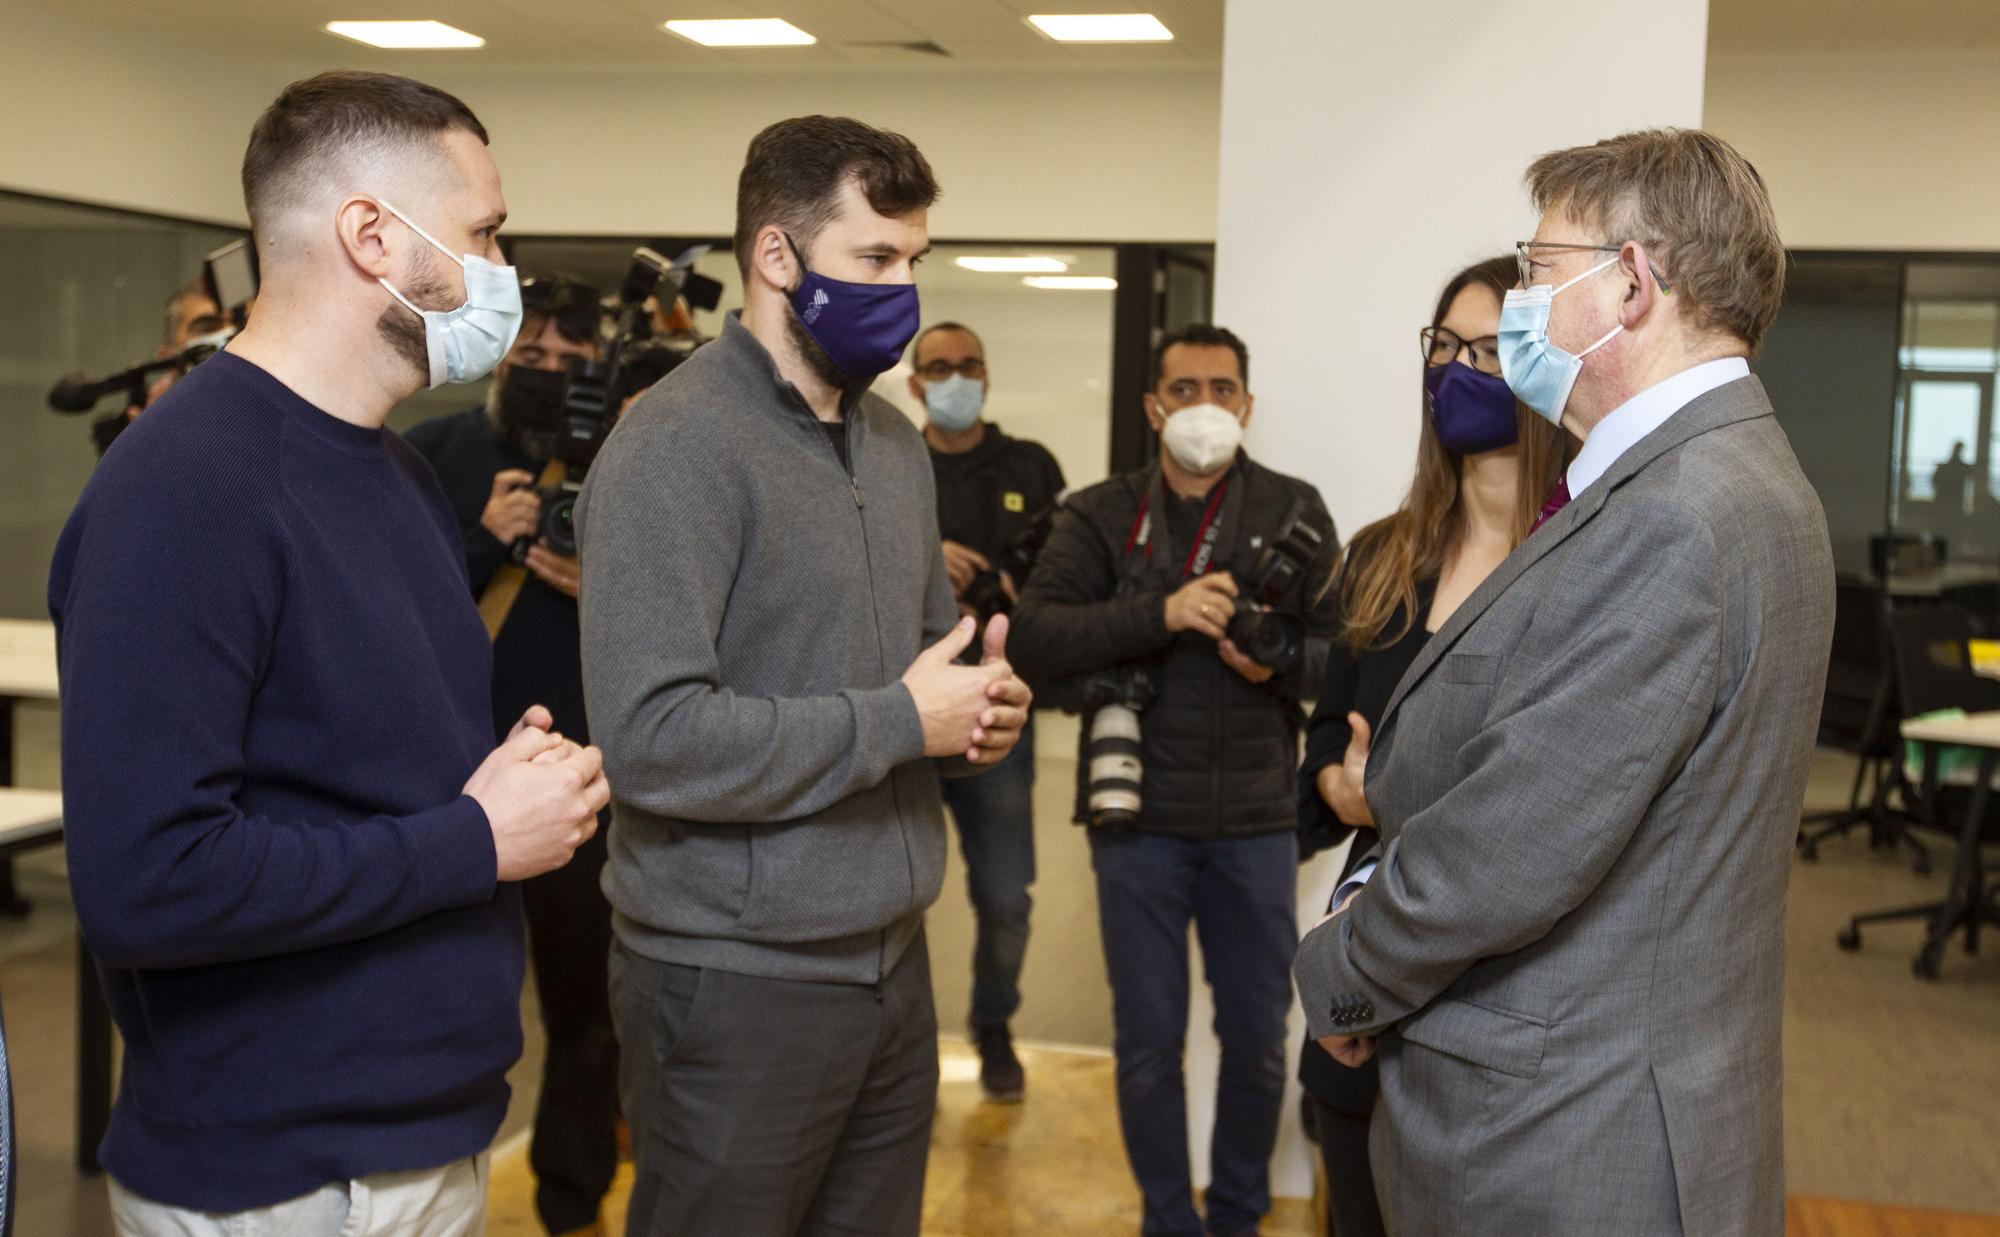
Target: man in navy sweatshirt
{"x": 292, "y": 842}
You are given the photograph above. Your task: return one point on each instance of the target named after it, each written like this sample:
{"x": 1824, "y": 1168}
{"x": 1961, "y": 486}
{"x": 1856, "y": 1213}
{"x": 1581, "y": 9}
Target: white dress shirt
{"x": 1616, "y": 434}
{"x": 1645, "y": 412}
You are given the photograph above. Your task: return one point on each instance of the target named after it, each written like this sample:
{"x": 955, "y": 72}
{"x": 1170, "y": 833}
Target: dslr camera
{"x": 987, "y": 595}
{"x": 1282, "y": 583}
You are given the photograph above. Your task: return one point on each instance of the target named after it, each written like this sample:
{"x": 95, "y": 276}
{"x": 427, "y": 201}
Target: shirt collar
{"x": 1645, "y": 412}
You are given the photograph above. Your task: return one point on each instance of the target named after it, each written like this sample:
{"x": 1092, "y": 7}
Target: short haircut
{"x": 1199, "y": 335}
{"x": 566, "y": 301}
{"x": 1689, "y": 196}
{"x": 314, "y": 123}
{"x": 178, "y": 302}
{"x": 796, "y": 169}
{"x": 917, "y": 344}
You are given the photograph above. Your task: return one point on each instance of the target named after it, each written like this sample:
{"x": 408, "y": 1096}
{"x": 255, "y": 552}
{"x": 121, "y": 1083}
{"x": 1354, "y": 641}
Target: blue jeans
{"x": 995, "y": 812}
{"x": 1239, "y": 892}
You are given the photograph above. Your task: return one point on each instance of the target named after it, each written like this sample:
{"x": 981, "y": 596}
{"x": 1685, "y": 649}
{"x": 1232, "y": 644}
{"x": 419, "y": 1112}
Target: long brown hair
{"x": 1383, "y": 563}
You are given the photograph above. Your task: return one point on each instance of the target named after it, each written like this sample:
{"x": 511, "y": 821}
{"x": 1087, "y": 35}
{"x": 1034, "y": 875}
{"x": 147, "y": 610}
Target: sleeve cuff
{"x": 1354, "y": 882}
{"x": 886, "y": 719}
{"x": 454, "y": 854}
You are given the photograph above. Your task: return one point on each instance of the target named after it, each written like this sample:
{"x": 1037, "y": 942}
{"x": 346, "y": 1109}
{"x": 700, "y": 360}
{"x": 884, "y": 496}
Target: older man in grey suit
{"x": 1571, "y": 948}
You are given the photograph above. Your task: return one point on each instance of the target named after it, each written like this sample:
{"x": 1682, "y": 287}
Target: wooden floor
{"x": 1054, "y": 1165}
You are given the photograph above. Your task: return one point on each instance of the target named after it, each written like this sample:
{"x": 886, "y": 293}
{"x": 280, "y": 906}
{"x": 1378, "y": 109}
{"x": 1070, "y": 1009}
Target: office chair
{"x": 1933, "y": 672}
{"x": 1862, "y": 670}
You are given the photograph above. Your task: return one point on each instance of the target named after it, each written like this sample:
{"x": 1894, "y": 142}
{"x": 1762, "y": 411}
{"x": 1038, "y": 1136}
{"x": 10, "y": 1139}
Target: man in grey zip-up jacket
{"x": 768, "y": 644}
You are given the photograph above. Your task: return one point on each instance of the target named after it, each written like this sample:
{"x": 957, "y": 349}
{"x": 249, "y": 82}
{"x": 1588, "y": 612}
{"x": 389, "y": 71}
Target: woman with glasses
{"x": 1484, "y": 463}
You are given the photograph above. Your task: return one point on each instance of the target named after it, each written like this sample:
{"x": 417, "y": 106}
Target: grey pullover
{"x": 749, "y": 606}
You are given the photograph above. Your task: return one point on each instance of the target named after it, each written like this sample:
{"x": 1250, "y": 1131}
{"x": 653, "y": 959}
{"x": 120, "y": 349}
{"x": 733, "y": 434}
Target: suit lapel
{"x": 1741, "y": 400}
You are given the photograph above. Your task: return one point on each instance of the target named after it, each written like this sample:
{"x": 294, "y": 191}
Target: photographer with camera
{"x": 992, "y": 490}
{"x": 488, "y": 459}
{"x": 1182, "y": 606}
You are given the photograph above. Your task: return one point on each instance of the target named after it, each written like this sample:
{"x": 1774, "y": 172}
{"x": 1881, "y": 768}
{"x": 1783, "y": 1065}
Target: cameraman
{"x": 1137, "y": 577}
{"x": 991, "y": 489}
{"x": 487, "y": 459}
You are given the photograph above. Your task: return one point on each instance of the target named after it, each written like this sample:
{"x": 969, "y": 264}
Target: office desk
{"x": 1969, "y": 903}
{"x": 28, "y": 672}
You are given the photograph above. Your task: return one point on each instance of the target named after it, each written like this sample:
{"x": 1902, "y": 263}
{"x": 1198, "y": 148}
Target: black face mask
{"x": 530, "y": 409}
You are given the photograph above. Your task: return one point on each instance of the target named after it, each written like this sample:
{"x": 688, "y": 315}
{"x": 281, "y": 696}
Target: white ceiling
{"x": 1783, "y": 27}
{"x": 579, "y": 34}
{"x": 874, "y": 35}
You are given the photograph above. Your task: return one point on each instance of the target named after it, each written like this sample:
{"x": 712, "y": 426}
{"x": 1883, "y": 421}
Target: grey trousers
{"x": 768, "y": 1107}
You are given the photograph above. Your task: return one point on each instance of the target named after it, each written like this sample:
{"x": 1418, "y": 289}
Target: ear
{"x": 772, "y": 261}
{"x": 1249, "y": 407}
{"x": 1155, "y": 415}
{"x": 1643, "y": 291}
{"x": 916, "y": 387}
{"x": 363, "y": 228}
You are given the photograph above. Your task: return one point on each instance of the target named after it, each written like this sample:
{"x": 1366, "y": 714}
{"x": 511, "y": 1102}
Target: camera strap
{"x": 1225, "y": 505}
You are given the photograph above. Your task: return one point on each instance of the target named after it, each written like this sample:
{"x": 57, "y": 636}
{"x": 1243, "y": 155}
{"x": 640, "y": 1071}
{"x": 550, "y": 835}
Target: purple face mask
{"x": 862, "y": 327}
{"x": 1471, "y": 411}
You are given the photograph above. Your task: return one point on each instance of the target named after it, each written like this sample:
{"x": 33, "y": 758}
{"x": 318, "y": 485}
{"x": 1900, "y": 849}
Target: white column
{"x": 1369, "y": 151}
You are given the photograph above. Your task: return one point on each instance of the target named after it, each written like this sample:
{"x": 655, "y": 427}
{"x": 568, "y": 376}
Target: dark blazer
{"x": 1352, "y": 684}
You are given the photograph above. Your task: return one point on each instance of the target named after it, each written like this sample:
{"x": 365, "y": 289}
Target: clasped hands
{"x": 973, "y": 712}
{"x": 1205, "y": 604}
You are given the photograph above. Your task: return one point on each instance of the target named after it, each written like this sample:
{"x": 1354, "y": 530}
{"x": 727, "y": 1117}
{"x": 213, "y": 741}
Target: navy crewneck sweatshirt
{"x": 274, "y": 687}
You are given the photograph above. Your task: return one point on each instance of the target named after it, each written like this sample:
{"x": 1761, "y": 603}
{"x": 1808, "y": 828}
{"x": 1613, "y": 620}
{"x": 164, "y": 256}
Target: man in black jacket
{"x": 487, "y": 458}
{"x": 991, "y": 491}
{"x": 1141, "y": 572}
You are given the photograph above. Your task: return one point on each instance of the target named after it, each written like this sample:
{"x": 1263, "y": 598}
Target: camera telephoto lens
{"x": 1113, "y": 756}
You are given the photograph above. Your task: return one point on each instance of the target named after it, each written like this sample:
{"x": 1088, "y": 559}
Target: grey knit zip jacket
{"x": 749, "y": 607}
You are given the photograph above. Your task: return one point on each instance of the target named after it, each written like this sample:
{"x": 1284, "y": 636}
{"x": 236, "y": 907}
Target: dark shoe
{"x": 1000, "y": 1073}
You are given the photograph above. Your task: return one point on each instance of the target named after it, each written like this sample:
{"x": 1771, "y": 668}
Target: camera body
{"x": 1113, "y": 700}
{"x": 1280, "y": 585}
{"x": 987, "y": 595}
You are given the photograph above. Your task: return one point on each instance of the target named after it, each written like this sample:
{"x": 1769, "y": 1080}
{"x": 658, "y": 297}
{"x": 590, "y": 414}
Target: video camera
{"x": 595, "y": 391}
{"x": 229, "y": 277}
{"x": 1282, "y": 583}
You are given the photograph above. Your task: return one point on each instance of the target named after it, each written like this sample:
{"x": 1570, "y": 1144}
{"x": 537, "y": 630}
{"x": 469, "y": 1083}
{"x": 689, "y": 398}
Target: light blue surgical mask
{"x": 954, "y": 404}
{"x": 464, "y": 344}
{"x": 1540, "y": 374}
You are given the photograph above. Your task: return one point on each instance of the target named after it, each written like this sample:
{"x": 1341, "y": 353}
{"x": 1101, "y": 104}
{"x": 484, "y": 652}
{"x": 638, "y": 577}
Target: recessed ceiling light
{"x": 1102, "y": 27}
{"x": 404, "y": 35}
{"x": 995, "y": 264}
{"x": 1072, "y": 283}
{"x": 749, "y": 32}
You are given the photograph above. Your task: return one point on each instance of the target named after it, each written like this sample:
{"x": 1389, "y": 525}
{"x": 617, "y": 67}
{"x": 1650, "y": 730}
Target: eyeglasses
{"x": 1523, "y": 250}
{"x": 937, "y": 371}
{"x": 1442, "y": 347}
{"x": 1523, "y": 260}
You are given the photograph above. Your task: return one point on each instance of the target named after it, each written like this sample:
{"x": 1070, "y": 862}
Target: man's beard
{"x": 812, "y": 354}
{"x": 403, "y": 330}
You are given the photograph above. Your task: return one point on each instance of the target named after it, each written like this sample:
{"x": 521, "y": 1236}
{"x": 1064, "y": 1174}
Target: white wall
{"x": 102, "y": 115}
{"x": 1366, "y": 156}
{"x": 1878, "y": 151}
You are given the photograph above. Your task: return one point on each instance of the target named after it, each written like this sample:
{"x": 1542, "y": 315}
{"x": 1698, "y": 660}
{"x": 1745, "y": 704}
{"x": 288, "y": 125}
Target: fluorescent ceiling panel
{"x": 1102, "y": 27}
{"x": 748, "y": 32}
{"x": 994, "y": 264}
{"x": 405, "y": 35}
{"x": 1072, "y": 283}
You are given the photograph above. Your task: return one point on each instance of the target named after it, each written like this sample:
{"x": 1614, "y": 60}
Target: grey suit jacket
{"x": 1588, "y": 786}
